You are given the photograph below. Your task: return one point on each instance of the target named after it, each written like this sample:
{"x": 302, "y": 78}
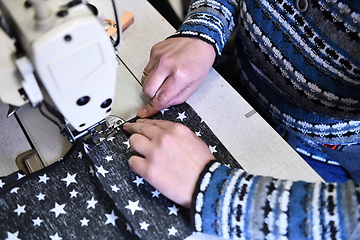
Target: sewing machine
{"x": 61, "y": 60}
{"x": 57, "y": 57}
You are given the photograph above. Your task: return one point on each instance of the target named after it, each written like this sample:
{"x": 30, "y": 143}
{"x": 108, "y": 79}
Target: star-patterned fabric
{"x": 92, "y": 194}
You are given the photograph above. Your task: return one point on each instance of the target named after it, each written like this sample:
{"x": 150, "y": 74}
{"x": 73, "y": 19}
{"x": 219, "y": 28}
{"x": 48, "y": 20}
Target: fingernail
{"x": 141, "y": 113}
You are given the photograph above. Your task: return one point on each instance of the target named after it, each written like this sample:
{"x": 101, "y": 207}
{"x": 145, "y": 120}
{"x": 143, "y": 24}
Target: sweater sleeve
{"x": 234, "y": 204}
{"x": 212, "y": 21}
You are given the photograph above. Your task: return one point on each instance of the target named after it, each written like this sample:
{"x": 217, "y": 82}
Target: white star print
{"x": 172, "y": 231}
{"x": 12, "y": 236}
{"x": 80, "y": 155}
{"x": 198, "y": 134}
{"x": 128, "y": 227}
{"x": 138, "y": 181}
{"x": 127, "y": 143}
{"x": 14, "y": 190}
{"x": 181, "y": 116}
{"x": 1, "y": 184}
{"x": 86, "y": 148}
{"x": 212, "y": 149}
{"x": 40, "y": 196}
{"x": 144, "y": 225}
{"x": 84, "y": 222}
{"x": 69, "y": 179}
{"x": 43, "y": 178}
{"x": 55, "y": 237}
{"x": 73, "y": 193}
{"x": 111, "y": 218}
{"x": 155, "y": 193}
{"x": 164, "y": 110}
{"x": 20, "y": 209}
{"x": 101, "y": 170}
{"x": 91, "y": 203}
{"x": 114, "y": 188}
{"x": 20, "y": 176}
{"x": 59, "y": 209}
{"x": 37, "y": 221}
{"x": 173, "y": 210}
{"x": 108, "y": 158}
{"x": 111, "y": 139}
{"x": 91, "y": 171}
{"x": 133, "y": 206}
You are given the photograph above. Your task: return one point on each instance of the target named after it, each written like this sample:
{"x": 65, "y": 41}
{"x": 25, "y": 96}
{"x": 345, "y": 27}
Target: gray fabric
{"x": 105, "y": 187}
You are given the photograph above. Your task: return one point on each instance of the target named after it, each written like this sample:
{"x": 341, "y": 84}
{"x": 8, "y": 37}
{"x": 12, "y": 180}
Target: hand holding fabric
{"x": 171, "y": 157}
{"x": 176, "y": 68}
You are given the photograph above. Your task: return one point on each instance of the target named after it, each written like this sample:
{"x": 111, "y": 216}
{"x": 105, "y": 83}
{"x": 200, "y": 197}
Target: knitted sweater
{"x": 300, "y": 62}
{"x": 233, "y": 204}
{"x": 310, "y": 59}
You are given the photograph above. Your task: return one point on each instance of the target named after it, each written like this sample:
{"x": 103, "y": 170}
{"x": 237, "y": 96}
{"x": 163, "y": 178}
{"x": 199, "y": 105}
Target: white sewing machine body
{"x": 64, "y": 52}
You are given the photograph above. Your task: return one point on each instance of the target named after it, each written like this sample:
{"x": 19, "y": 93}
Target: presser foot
{"x": 103, "y": 130}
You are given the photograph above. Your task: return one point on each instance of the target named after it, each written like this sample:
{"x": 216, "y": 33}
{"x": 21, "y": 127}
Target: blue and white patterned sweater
{"x": 235, "y": 205}
{"x": 300, "y": 61}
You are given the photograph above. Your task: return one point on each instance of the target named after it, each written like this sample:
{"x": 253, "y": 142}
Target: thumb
{"x": 147, "y": 111}
{"x": 157, "y": 103}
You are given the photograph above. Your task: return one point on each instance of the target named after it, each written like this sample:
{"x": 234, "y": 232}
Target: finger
{"x": 163, "y": 124}
{"x": 153, "y": 62}
{"x": 148, "y": 111}
{"x": 140, "y": 144}
{"x": 147, "y": 70}
{"x": 165, "y": 95}
{"x": 184, "y": 94}
{"x": 149, "y": 131}
{"x": 144, "y": 75}
{"x": 138, "y": 165}
{"x": 154, "y": 81}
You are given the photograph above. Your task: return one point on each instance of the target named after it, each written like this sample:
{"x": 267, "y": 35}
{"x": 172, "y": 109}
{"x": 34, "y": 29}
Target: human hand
{"x": 176, "y": 68}
{"x": 172, "y": 157}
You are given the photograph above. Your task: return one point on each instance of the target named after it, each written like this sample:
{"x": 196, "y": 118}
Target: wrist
{"x": 203, "y": 38}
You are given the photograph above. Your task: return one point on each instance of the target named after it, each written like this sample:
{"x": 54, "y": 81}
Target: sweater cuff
{"x": 203, "y": 210}
{"x": 205, "y": 27}
{"x": 211, "y": 21}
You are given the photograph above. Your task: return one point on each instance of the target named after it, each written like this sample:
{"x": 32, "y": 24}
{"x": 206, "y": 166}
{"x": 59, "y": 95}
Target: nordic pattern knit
{"x": 233, "y": 204}
{"x": 300, "y": 64}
